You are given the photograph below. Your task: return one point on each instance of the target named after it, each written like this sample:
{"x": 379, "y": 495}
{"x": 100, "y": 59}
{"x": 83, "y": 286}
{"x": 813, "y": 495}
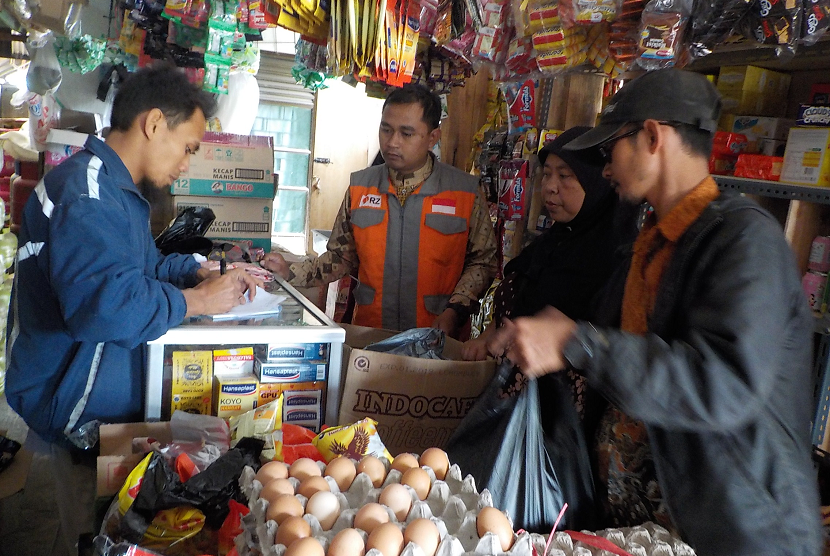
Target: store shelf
{"x": 807, "y": 58}
{"x": 780, "y": 190}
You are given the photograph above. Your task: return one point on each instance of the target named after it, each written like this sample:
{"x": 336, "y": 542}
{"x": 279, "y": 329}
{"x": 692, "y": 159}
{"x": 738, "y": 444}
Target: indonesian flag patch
{"x": 444, "y": 206}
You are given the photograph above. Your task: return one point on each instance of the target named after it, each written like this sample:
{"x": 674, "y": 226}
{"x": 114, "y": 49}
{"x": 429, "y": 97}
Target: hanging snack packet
{"x": 776, "y": 22}
{"x": 711, "y": 22}
{"x": 816, "y": 20}
{"x": 521, "y": 105}
{"x": 587, "y": 12}
{"x": 661, "y": 28}
{"x": 354, "y": 441}
{"x": 512, "y": 189}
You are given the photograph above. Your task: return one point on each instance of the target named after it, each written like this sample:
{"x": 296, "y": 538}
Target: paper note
{"x": 264, "y": 304}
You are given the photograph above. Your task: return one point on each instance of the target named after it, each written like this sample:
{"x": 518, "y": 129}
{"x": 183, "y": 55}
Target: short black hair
{"x": 413, "y": 93}
{"x": 696, "y": 141}
{"x": 161, "y": 86}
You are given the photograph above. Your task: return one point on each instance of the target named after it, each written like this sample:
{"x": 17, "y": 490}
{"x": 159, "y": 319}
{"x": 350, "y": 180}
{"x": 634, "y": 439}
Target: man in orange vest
{"x": 417, "y": 232}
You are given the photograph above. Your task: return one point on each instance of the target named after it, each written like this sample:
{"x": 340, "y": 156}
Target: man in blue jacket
{"x": 703, "y": 345}
{"x": 91, "y": 288}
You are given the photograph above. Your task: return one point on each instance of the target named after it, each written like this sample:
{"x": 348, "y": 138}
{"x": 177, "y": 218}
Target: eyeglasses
{"x": 606, "y": 148}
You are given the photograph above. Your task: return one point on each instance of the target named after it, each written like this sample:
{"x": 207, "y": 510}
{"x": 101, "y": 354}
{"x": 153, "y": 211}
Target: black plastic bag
{"x": 530, "y": 472}
{"x": 426, "y": 343}
{"x": 208, "y": 491}
{"x": 185, "y": 234}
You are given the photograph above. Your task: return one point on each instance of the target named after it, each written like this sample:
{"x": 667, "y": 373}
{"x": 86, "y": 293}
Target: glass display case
{"x": 296, "y": 352}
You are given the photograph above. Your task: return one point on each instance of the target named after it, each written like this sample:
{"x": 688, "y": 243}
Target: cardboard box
{"x": 117, "y": 458}
{"x": 809, "y": 115}
{"x": 245, "y": 219}
{"x": 51, "y": 14}
{"x": 230, "y": 165}
{"x": 750, "y": 102}
{"x": 61, "y": 144}
{"x": 417, "y": 403}
{"x": 807, "y": 158}
{"x": 771, "y": 147}
{"x": 758, "y": 127}
{"x": 234, "y": 395}
{"x": 753, "y": 79}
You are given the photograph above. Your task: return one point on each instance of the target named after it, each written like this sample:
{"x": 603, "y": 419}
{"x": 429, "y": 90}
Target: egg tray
{"x": 453, "y": 505}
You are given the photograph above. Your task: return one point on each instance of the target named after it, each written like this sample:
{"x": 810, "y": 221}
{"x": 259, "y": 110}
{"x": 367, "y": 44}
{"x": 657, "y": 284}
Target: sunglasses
{"x": 607, "y": 147}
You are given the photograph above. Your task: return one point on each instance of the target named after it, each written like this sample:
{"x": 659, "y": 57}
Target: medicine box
{"x": 807, "y": 157}
{"x": 233, "y": 361}
{"x": 246, "y": 219}
{"x": 192, "y": 382}
{"x": 230, "y": 165}
{"x": 312, "y": 352}
{"x": 290, "y": 371}
{"x": 303, "y": 407}
{"x": 235, "y": 394}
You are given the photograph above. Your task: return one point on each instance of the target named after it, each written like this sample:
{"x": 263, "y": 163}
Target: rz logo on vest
{"x": 362, "y": 364}
{"x": 368, "y": 200}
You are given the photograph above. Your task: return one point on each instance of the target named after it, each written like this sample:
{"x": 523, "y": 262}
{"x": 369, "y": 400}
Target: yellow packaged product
{"x": 264, "y": 422}
{"x": 355, "y": 441}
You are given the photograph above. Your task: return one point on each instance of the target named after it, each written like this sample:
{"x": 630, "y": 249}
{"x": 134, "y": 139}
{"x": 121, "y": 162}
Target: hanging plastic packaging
{"x": 816, "y": 20}
{"x": 712, "y": 21}
{"x": 661, "y": 28}
{"x": 44, "y": 75}
{"x": 774, "y": 22}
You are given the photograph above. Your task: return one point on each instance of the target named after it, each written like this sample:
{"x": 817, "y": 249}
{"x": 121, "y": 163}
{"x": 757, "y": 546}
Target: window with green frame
{"x": 291, "y": 128}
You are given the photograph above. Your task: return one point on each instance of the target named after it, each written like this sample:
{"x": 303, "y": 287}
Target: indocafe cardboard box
{"x": 418, "y": 403}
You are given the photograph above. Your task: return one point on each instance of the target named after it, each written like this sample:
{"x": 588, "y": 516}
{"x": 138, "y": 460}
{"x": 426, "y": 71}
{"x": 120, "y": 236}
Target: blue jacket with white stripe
{"x": 90, "y": 289}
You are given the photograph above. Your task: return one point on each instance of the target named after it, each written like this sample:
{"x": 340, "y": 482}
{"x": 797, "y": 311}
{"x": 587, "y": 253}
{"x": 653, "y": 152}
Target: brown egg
{"x": 283, "y": 507}
{"x": 404, "y": 461}
{"x": 304, "y": 468}
{"x": 308, "y": 546}
{"x": 437, "y": 460}
{"x": 493, "y": 521}
{"x": 275, "y": 488}
{"x": 343, "y": 471}
{"x": 396, "y": 497}
{"x": 325, "y": 507}
{"x": 370, "y": 516}
{"x": 347, "y": 542}
{"x": 418, "y": 479}
{"x": 424, "y": 533}
{"x": 387, "y": 538}
{"x": 374, "y": 468}
{"x": 270, "y": 471}
{"x": 313, "y": 485}
{"x": 291, "y": 529}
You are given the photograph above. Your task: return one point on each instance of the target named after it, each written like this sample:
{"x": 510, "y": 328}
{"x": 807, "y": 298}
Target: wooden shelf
{"x": 807, "y": 58}
{"x": 781, "y": 190}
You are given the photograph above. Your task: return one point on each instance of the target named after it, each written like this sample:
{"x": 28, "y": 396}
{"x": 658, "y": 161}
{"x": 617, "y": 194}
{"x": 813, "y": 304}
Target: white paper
{"x": 264, "y": 304}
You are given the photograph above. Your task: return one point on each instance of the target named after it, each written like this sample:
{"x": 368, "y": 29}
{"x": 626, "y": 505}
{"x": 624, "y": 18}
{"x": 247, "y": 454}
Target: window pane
{"x": 289, "y": 212}
{"x": 292, "y": 168}
{"x": 290, "y": 126}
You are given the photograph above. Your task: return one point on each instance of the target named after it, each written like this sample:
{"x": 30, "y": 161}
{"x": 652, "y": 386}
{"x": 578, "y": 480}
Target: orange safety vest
{"x": 410, "y": 257}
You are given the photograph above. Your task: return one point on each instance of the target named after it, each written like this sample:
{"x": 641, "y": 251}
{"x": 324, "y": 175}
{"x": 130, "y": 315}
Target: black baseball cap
{"x": 671, "y": 95}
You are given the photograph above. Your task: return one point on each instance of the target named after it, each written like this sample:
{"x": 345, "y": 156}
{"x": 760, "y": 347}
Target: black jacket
{"x": 723, "y": 383}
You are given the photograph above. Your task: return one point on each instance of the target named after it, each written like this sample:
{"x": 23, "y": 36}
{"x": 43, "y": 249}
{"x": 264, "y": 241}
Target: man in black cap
{"x": 704, "y": 353}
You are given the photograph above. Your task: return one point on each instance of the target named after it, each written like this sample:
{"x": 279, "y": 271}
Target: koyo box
{"x": 310, "y": 352}
{"x": 235, "y": 394}
{"x": 233, "y": 361}
{"x": 290, "y": 371}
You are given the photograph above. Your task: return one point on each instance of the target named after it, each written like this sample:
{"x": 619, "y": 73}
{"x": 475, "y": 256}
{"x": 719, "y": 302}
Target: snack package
{"x": 711, "y": 22}
{"x": 355, "y": 441}
{"x": 588, "y": 12}
{"x": 513, "y": 185}
{"x": 816, "y": 20}
{"x": 521, "y": 105}
{"x": 543, "y": 17}
{"x": 265, "y": 423}
{"x": 725, "y": 150}
{"x": 661, "y": 28}
{"x": 759, "y": 167}
{"x": 776, "y": 22}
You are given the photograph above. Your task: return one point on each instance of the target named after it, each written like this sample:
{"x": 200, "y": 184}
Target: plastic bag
{"x": 712, "y": 21}
{"x": 185, "y": 234}
{"x": 427, "y": 343}
{"x": 661, "y": 28}
{"x": 775, "y": 22}
{"x": 530, "y": 471}
{"x": 816, "y": 20}
{"x": 44, "y": 75}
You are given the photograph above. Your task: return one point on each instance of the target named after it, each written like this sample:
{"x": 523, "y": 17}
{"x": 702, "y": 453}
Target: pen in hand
{"x": 222, "y": 264}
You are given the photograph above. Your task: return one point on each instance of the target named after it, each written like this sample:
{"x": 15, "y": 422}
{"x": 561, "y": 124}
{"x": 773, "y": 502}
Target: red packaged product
{"x": 759, "y": 167}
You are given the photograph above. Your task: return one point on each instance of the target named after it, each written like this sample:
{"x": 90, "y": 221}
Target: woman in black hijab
{"x": 566, "y": 266}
